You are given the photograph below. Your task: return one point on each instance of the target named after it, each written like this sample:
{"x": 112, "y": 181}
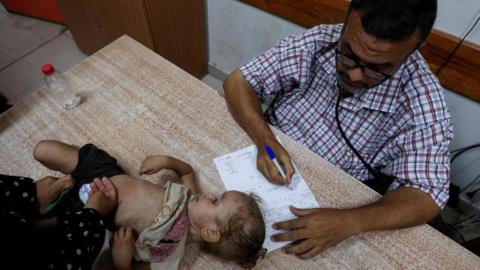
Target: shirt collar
{"x": 380, "y": 98}
{"x": 383, "y": 97}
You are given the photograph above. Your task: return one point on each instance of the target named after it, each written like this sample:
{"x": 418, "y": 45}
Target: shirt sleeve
{"x": 422, "y": 160}
{"x": 18, "y": 194}
{"x": 82, "y": 237}
{"x": 280, "y": 69}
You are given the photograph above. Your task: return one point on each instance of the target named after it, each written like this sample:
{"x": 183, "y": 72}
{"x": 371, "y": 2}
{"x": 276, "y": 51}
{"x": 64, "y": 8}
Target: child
{"x": 230, "y": 226}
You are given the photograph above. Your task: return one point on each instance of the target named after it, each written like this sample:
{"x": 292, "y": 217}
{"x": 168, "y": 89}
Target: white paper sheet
{"x": 238, "y": 171}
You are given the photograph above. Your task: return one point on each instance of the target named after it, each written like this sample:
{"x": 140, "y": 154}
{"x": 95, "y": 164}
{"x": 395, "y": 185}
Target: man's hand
{"x": 123, "y": 248}
{"x": 48, "y": 188}
{"x": 267, "y": 168}
{"x": 315, "y": 230}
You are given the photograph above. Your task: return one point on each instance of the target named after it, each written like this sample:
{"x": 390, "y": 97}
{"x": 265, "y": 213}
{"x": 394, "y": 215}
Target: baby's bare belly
{"x": 139, "y": 202}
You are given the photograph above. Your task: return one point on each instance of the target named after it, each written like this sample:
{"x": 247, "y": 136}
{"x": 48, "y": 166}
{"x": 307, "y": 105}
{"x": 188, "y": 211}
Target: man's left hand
{"x": 315, "y": 230}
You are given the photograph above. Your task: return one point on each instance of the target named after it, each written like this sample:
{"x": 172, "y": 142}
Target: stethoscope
{"x": 381, "y": 181}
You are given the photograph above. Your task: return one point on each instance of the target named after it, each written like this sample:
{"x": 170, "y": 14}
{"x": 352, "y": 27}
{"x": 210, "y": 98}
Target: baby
{"x": 229, "y": 226}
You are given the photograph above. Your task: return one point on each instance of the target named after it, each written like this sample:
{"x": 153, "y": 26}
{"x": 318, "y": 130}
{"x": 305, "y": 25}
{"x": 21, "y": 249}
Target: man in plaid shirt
{"x": 367, "y": 77}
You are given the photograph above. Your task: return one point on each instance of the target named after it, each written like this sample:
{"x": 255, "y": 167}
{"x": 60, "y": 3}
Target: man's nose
{"x": 355, "y": 74}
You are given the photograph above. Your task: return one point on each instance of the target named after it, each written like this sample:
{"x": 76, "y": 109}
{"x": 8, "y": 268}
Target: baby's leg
{"x": 56, "y": 155}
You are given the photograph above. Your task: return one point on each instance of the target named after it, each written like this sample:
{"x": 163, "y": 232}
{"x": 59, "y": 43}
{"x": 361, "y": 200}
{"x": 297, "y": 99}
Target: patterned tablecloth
{"x": 136, "y": 103}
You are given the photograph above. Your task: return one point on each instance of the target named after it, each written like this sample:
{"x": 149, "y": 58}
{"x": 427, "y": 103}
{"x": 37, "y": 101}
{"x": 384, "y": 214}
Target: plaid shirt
{"x": 401, "y": 127}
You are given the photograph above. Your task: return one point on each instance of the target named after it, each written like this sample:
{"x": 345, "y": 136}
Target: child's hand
{"x": 48, "y": 188}
{"x": 153, "y": 164}
{"x": 123, "y": 248}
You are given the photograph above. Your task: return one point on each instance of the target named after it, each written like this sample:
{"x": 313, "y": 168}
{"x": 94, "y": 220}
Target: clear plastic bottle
{"x": 59, "y": 88}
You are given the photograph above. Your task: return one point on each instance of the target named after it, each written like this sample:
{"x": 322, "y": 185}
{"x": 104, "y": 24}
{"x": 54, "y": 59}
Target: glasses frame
{"x": 352, "y": 63}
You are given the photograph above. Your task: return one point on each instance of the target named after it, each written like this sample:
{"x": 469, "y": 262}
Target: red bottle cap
{"x": 48, "y": 69}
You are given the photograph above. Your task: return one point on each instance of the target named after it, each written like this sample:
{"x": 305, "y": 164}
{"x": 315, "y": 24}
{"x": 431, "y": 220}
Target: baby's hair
{"x": 242, "y": 236}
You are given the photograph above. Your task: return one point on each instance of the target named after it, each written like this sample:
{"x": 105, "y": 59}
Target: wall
{"x": 456, "y": 17}
{"x": 237, "y": 32}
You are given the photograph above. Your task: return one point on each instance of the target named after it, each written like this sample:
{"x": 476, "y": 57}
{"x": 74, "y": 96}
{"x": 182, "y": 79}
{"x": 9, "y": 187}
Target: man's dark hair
{"x": 396, "y": 20}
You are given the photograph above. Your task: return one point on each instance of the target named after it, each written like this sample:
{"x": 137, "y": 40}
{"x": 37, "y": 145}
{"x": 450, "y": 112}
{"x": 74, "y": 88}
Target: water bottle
{"x": 59, "y": 88}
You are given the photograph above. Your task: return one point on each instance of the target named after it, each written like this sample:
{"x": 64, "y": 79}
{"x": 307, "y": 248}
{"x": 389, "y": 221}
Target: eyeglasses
{"x": 366, "y": 68}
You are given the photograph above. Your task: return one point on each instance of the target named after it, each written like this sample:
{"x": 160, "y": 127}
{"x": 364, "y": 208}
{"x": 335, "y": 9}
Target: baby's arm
{"x": 153, "y": 164}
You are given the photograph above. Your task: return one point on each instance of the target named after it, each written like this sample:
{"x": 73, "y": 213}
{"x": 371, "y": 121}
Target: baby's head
{"x": 231, "y": 226}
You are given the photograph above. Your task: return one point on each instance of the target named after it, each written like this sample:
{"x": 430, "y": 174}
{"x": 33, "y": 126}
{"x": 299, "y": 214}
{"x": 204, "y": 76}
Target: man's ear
{"x": 210, "y": 234}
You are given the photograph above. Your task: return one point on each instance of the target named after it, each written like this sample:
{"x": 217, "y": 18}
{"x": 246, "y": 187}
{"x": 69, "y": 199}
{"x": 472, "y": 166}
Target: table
{"x": 136, "y": 103}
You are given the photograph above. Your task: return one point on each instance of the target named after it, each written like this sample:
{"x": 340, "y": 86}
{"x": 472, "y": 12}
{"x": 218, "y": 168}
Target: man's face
{"x": 374, "y": 60}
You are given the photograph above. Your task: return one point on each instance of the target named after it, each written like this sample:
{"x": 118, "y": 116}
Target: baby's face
{"x": 207, "y": 208}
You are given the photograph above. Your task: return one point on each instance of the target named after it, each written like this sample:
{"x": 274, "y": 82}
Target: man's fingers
{"x": 299, "y": 212}
{"x": 275, "y": 177}
{"x": 299, "y": 247}
{"x": 273, "y": 174}
{"x": 290, "y": 224}
{"x": 287, "y": 165}
{"x": 290, "y": 236}
{"x": 268, "y": 169}
{"x": 311, "y": 253}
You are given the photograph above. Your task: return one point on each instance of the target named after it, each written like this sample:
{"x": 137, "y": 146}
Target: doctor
{"x": 366, "y": 79}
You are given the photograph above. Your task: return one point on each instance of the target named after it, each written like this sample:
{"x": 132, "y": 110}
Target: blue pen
{"x": 272, "y": 156}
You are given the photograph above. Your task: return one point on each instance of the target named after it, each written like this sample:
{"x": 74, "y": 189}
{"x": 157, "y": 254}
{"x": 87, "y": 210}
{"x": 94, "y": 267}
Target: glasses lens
{"x": 345, "y": 60}
{"x": 368, "y": 72}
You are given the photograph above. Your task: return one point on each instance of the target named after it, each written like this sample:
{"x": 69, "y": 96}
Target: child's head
{"x": 231, "y": 226}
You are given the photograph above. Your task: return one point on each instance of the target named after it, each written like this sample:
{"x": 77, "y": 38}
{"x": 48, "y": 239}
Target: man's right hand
{"x": 266, "y": 166}
{"x": 245, "y": 107}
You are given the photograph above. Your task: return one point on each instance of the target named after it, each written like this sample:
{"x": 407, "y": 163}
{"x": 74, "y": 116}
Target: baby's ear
{"x": 210, "y": 234}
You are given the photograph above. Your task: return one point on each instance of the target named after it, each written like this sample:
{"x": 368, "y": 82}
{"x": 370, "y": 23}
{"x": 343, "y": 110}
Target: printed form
{"x": 238, "y": 171}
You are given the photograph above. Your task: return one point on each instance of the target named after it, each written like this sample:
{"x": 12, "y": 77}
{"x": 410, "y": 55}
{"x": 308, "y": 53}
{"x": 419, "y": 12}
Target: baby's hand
{"x": 153, "y": 164}
{"x": 123, "y": 248}
{"x": 102, "y": 197}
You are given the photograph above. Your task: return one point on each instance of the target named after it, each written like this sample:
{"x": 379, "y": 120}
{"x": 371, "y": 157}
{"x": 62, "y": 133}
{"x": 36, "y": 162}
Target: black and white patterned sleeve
{"x": 18, "y": 194}
{"x": 83, "y": 234}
